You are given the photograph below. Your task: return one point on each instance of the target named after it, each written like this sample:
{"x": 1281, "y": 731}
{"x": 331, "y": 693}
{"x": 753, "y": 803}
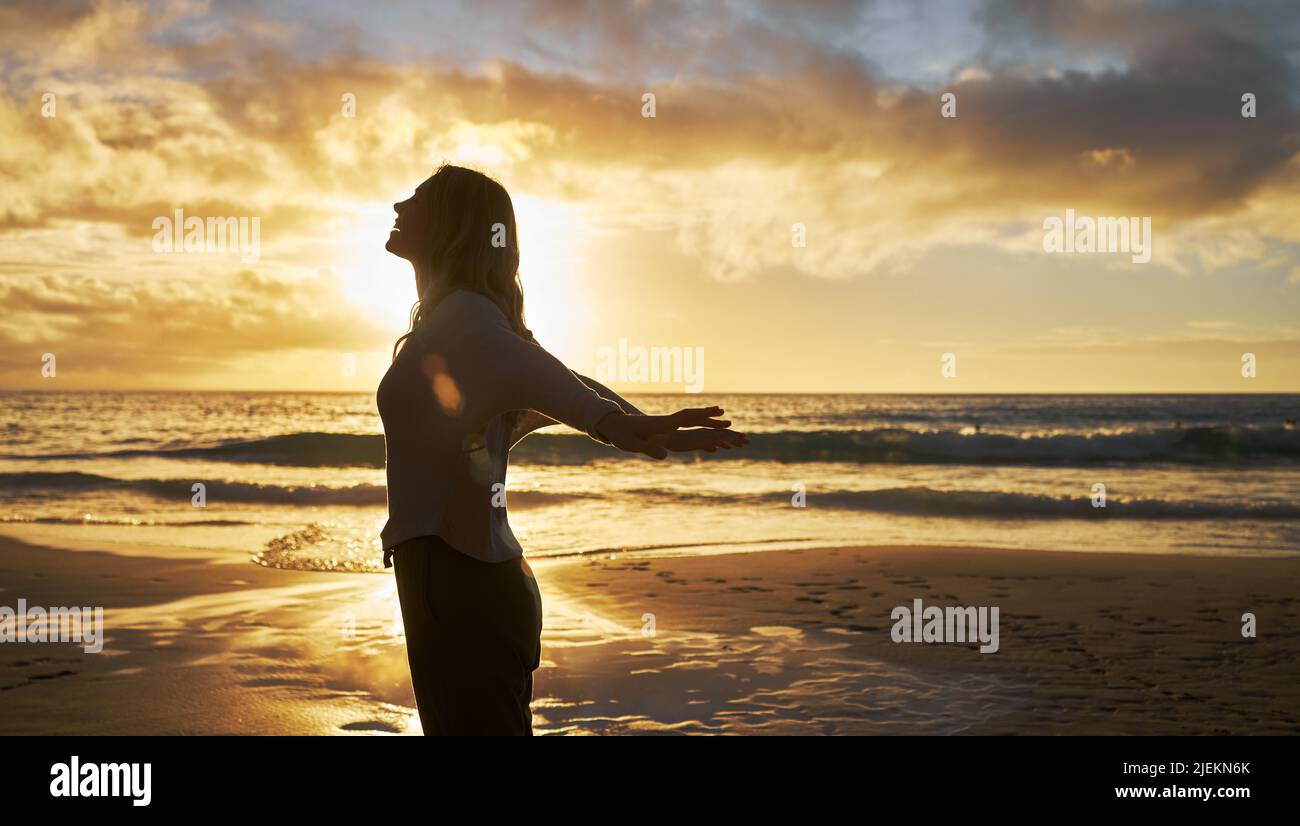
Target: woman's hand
{"x": 636, "y": 434}
{"x": 702, "y": 438}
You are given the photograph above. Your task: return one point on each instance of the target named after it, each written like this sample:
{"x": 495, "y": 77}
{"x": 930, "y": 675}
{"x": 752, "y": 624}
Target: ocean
{"x": 295, "y": 480}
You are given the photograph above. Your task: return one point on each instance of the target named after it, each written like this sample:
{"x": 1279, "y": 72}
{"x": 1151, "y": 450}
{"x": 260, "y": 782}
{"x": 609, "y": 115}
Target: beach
{"x": 200, "y": 646}
{"x": 776, "y": 642}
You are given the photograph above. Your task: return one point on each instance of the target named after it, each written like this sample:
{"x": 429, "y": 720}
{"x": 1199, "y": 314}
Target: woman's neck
{"x": 434, "y": 283}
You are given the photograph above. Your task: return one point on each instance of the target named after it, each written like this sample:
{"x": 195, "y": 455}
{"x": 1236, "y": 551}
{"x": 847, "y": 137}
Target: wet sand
{"x": 202, "y": 647}
{"x": 776, "y": 642}
{"x": 799, "y": 642}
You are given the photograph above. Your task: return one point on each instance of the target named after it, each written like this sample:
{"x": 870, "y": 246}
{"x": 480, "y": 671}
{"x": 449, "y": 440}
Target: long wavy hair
{"x": 471, "y": 245}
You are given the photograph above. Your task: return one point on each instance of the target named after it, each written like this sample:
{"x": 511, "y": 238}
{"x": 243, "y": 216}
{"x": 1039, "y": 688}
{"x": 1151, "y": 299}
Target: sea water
{"x": 296, "y": 479}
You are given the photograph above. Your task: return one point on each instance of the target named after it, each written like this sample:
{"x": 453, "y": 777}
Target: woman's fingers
{"x": 699, "y": 438}
{"x": 699, "y": 417}
{"x": 717, "y": 424}
{"x": 694, "y": 428}
{"x": 729, "y": 438}
{"x": 690, "y": 417}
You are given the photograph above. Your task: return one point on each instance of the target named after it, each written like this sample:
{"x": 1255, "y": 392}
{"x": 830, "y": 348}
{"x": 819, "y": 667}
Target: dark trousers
{"x": 473, "y": 638}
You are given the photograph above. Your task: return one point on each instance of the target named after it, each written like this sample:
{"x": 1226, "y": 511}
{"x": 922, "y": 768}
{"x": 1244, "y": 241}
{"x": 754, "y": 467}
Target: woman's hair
{"x": 471, "y": 244}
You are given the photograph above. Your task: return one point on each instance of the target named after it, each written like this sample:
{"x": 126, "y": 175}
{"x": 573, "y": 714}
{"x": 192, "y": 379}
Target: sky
{"x": 799, "y": 209}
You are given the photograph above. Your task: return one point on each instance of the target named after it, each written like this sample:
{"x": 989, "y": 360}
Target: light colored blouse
{"x": 464, "y": 388}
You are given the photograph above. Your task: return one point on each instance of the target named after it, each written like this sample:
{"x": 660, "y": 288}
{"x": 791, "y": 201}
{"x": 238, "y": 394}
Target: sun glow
{"x": 374, "y": 279}
{"x": 550, "y": 268}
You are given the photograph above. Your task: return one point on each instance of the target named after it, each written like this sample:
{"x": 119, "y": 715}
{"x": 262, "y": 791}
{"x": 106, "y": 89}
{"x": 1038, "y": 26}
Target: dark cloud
{"x": 1170, "y": 110}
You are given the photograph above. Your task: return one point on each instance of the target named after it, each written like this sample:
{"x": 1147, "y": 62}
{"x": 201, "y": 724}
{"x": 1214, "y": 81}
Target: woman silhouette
{"x": 466, "y": 383}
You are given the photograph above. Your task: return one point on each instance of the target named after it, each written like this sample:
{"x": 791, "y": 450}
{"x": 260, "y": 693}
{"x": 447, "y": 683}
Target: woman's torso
{"x": 446, "y": 453}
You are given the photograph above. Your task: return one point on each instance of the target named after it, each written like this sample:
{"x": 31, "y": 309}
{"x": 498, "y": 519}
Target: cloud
{"x": 245, "y": 123}
{"x": 767, "y": 116}
{"x": 101, "y": 329}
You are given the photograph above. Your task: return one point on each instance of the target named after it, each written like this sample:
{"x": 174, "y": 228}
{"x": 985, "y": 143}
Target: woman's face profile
{"x": 411, "y": 224}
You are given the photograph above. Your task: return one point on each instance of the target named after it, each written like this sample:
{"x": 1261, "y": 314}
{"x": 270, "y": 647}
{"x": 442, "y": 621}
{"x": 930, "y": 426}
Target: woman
{"x": 468, "y": 381}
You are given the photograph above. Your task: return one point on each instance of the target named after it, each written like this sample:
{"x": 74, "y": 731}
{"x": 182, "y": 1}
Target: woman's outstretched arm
{"x": 707, "y": 439}
{"x": 605, "y": 393}
{"x": 532, "y": 420}
{"x": 496, "y": 370}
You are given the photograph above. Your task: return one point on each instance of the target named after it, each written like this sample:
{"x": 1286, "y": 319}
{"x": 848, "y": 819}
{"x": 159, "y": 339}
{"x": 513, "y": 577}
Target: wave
{"x": 922, "y": 501}
{"x": 182, "y": 489}
{"x": 123, "y": 521}
{"x": 293, "y": 449}
{"x": 914, "y": 501}
{"x": 31, "y": 484}
{"x": 1199, "y": 445}
{"x": 1224, "y": 444}
{"x": 315, "y": 547}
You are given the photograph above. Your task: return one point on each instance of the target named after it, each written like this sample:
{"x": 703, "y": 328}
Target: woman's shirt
{"x": 446, "y": 404}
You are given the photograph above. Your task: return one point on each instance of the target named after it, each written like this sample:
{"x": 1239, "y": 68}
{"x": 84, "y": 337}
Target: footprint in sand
{"x": 372, "y": 725}
{"x": 53, "y": 676}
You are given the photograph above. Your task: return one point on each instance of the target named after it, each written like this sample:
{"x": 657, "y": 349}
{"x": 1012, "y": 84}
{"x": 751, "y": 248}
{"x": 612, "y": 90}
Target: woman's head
{"x": 458, "y": 230}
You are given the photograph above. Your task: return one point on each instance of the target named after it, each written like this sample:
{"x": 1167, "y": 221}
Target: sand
{"x": 799, "y": 642}
{"x": 202, "y": 647}
{"x": 774, "y": 642}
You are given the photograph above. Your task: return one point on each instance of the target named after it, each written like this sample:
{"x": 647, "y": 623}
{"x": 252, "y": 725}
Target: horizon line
{"x": 701, "y": 394}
